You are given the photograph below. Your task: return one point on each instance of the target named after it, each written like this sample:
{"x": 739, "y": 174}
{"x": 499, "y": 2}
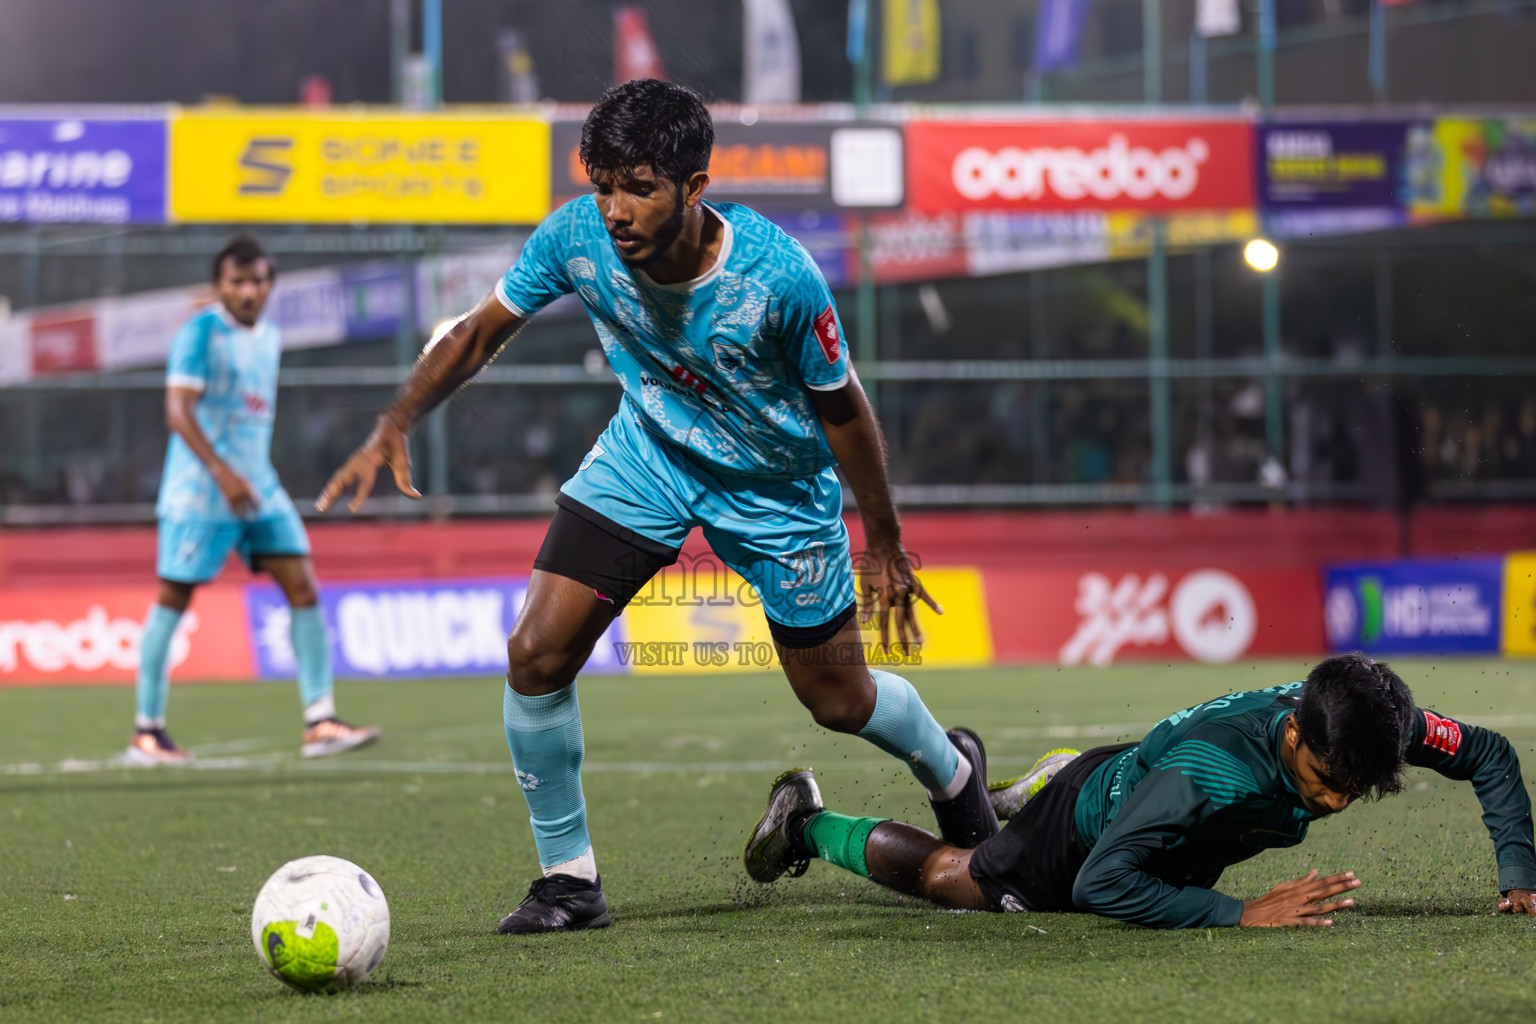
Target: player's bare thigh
{"x": 832, "y": 679}
{"x": 561, "y": 621}
{"x": 174, "y": 594}
{"x": 294, "y": 575}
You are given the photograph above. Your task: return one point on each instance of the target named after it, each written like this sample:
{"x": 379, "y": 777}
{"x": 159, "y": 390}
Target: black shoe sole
{"x": 602, "y": 920}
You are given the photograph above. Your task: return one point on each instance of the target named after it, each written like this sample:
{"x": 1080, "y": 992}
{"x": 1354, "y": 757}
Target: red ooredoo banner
{"x": 91, "y": 635}
{"x": 1079, "y": 165}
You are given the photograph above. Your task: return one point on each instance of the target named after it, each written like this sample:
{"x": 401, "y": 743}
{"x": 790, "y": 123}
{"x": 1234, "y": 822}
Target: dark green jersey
{"x": 1207, "y": 788}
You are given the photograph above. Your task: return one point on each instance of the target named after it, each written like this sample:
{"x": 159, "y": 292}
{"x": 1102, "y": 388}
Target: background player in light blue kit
{"x": 738, "y": 401}
{"x": 219, "y": 493}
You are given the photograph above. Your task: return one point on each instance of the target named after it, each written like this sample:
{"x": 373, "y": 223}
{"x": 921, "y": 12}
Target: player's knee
{"x": 534, "y": 666}
{"x": 841, "y": 712}
{"x": 303, "y": 594}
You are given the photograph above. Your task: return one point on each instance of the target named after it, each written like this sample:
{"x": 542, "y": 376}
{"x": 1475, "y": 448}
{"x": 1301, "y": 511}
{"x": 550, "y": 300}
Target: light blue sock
{"x": 312, "y": 650}
{"x": 544, "y": 735}
{"x": 902, "y": 727}
{"x": 154, "y": 684}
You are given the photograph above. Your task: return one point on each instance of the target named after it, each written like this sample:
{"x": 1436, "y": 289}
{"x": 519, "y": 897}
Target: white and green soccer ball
{"x": 320, "y": 924}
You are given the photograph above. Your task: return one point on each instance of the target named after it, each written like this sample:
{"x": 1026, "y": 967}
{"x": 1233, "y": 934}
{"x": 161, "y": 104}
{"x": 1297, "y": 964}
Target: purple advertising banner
{"x": 406, "y": 629}
{"x": 83, "y": 171}
{"x": 1327, "y": 163}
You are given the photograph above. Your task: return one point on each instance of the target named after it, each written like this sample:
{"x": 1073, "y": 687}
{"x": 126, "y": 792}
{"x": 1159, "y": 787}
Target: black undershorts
{"x": 586, "y": 546}
{"x": 1033, "y": 862}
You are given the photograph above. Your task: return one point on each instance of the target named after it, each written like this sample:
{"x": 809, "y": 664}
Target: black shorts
{"x": 616, "y": 562}
{"x": 1033, "y": 862}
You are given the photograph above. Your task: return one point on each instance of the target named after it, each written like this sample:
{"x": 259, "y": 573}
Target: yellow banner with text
{"x": 291, "y": 166}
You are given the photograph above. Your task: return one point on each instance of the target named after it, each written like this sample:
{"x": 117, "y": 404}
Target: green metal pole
{"x": 867, "y": 341}
{"x": 1267, "y": 53}
{"x": 1274, "y": 423}
{"x": 1157, "y": 350}
{"x": 1152, "y": 51}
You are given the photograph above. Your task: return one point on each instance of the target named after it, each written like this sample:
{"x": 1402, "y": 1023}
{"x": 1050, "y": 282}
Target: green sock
{"x": 839, "y": 839}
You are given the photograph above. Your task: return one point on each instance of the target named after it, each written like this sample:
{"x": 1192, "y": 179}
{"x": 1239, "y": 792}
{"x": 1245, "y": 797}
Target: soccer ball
{"x": 320, "y": 924}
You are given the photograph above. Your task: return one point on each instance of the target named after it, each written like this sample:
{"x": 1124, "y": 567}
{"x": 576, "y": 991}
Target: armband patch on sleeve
{"x": 1442, "y": 734}
{"x": 825, "y": 326}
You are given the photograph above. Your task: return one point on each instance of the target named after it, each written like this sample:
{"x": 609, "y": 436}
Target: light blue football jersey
{"x": 236, "y": 369}
{"x": 719, "y": 365}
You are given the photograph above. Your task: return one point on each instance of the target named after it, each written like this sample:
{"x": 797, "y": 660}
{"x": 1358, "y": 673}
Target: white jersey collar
{"x": 709, "y": 275}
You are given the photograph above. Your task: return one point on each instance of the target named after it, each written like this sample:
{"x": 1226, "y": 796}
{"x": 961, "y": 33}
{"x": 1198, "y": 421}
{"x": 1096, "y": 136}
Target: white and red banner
{"x": 1122, "y": 164}
{"x": 1103, "y": 615}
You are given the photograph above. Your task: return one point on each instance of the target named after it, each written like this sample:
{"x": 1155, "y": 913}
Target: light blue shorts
{"x": 784, "y": 536}
{"x": 194, "y": 551}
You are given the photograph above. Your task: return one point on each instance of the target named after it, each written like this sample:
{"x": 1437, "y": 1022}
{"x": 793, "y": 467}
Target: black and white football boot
{"x": 776, "y": 846}
{"x": 967, "y": 820}
{"x": 558, "y": 903}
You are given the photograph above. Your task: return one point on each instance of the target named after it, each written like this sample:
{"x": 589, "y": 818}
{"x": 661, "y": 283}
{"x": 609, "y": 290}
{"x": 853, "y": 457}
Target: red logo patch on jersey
{"x": 827, "y": 334}
{"x": 1442, "y": 734}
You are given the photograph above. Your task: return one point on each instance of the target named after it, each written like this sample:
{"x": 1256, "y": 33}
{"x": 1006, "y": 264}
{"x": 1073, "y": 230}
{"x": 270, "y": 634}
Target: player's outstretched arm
{"x": 237, "y": 490}
{"x": 889, "y": 589}
{"x": 1305, "y": 902}
{"x": 442, "y": 369}
{"x": 1458, "y": 750}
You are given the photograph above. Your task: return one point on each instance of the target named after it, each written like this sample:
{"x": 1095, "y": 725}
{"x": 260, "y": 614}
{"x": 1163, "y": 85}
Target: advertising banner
{"x": 91, "y": 635}
{"x": 83, "y": 171}
{"x": 293, "y": 166}
{"x": 1058, "y": 34}
{"x": 137, "y": 330}
{"x": 1326, "y": 177}
{"x": 407, "y": 629}
{"x": 790, "y": 165}
{"x": 1075, "y": 617}
{"x": 1415, "y": 607}
{"x": 15, "y": 350}
{"x": 1101, "y": 164}
{"x": 64, "y": 340}
{"x": 699, "y": 617}
{"x": 1474, "y": 167}
{"x": 1520, "y": 604}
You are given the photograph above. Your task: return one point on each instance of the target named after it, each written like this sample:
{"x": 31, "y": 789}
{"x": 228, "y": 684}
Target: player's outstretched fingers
{"x": 400, "y": 463}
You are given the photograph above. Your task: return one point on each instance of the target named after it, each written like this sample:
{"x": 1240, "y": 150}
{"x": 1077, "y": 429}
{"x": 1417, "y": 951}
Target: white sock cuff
{"x": 320, "y": 710}
{"x": 145, "y": 722}
{"x": 956, "y": 784}
{"x": 583, "y": 866}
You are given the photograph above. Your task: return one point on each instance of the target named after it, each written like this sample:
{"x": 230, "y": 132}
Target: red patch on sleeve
{"x": 1442, "y": 734}
{"x": 827, "y": 334}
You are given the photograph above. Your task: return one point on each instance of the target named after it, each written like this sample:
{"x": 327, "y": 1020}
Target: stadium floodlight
{"x": 1261, "y": 255}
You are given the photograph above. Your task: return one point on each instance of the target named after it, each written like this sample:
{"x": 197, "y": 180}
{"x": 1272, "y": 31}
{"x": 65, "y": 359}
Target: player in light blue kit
{"x": 219, "y": 493}
{"x": 738, "y": 401}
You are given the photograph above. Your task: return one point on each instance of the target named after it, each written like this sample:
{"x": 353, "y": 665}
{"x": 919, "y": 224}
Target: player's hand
{"x": 386, "y": 446}
{"x": 1305, "y": 901}
{"x": 889, "y": 590}
{"x": 237, "y": 492}
{"x": 1517, "y": 901}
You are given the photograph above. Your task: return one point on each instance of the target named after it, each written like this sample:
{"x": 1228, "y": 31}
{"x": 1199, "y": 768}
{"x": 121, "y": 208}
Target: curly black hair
{"x": 244, "y": 250}
{"x": 648, "y": 122}
{"x": 1355, "y": 716}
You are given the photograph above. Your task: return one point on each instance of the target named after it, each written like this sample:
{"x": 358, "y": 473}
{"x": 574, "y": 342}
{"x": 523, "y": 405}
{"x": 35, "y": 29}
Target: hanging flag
{"x": 770, "y": 53}
{"x": 911, "y": 41}
{"x": 634, "y": 51}
{"x": 1059, "y": 34}
{"x": 1218, "y": 18}
{"x": 518, "y": 84}
{"x": 858, "y": 29}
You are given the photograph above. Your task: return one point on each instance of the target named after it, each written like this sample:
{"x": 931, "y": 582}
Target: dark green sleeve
{"x": 1469, "y": 753}
{"x": 1165, "y": 807}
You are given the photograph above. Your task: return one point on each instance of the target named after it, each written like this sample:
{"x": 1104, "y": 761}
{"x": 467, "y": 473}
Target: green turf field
{"x": 125, "y": 894}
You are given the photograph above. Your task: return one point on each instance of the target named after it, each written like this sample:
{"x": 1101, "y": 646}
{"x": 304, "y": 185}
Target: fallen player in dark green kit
{"x": 1142, "y": 832}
